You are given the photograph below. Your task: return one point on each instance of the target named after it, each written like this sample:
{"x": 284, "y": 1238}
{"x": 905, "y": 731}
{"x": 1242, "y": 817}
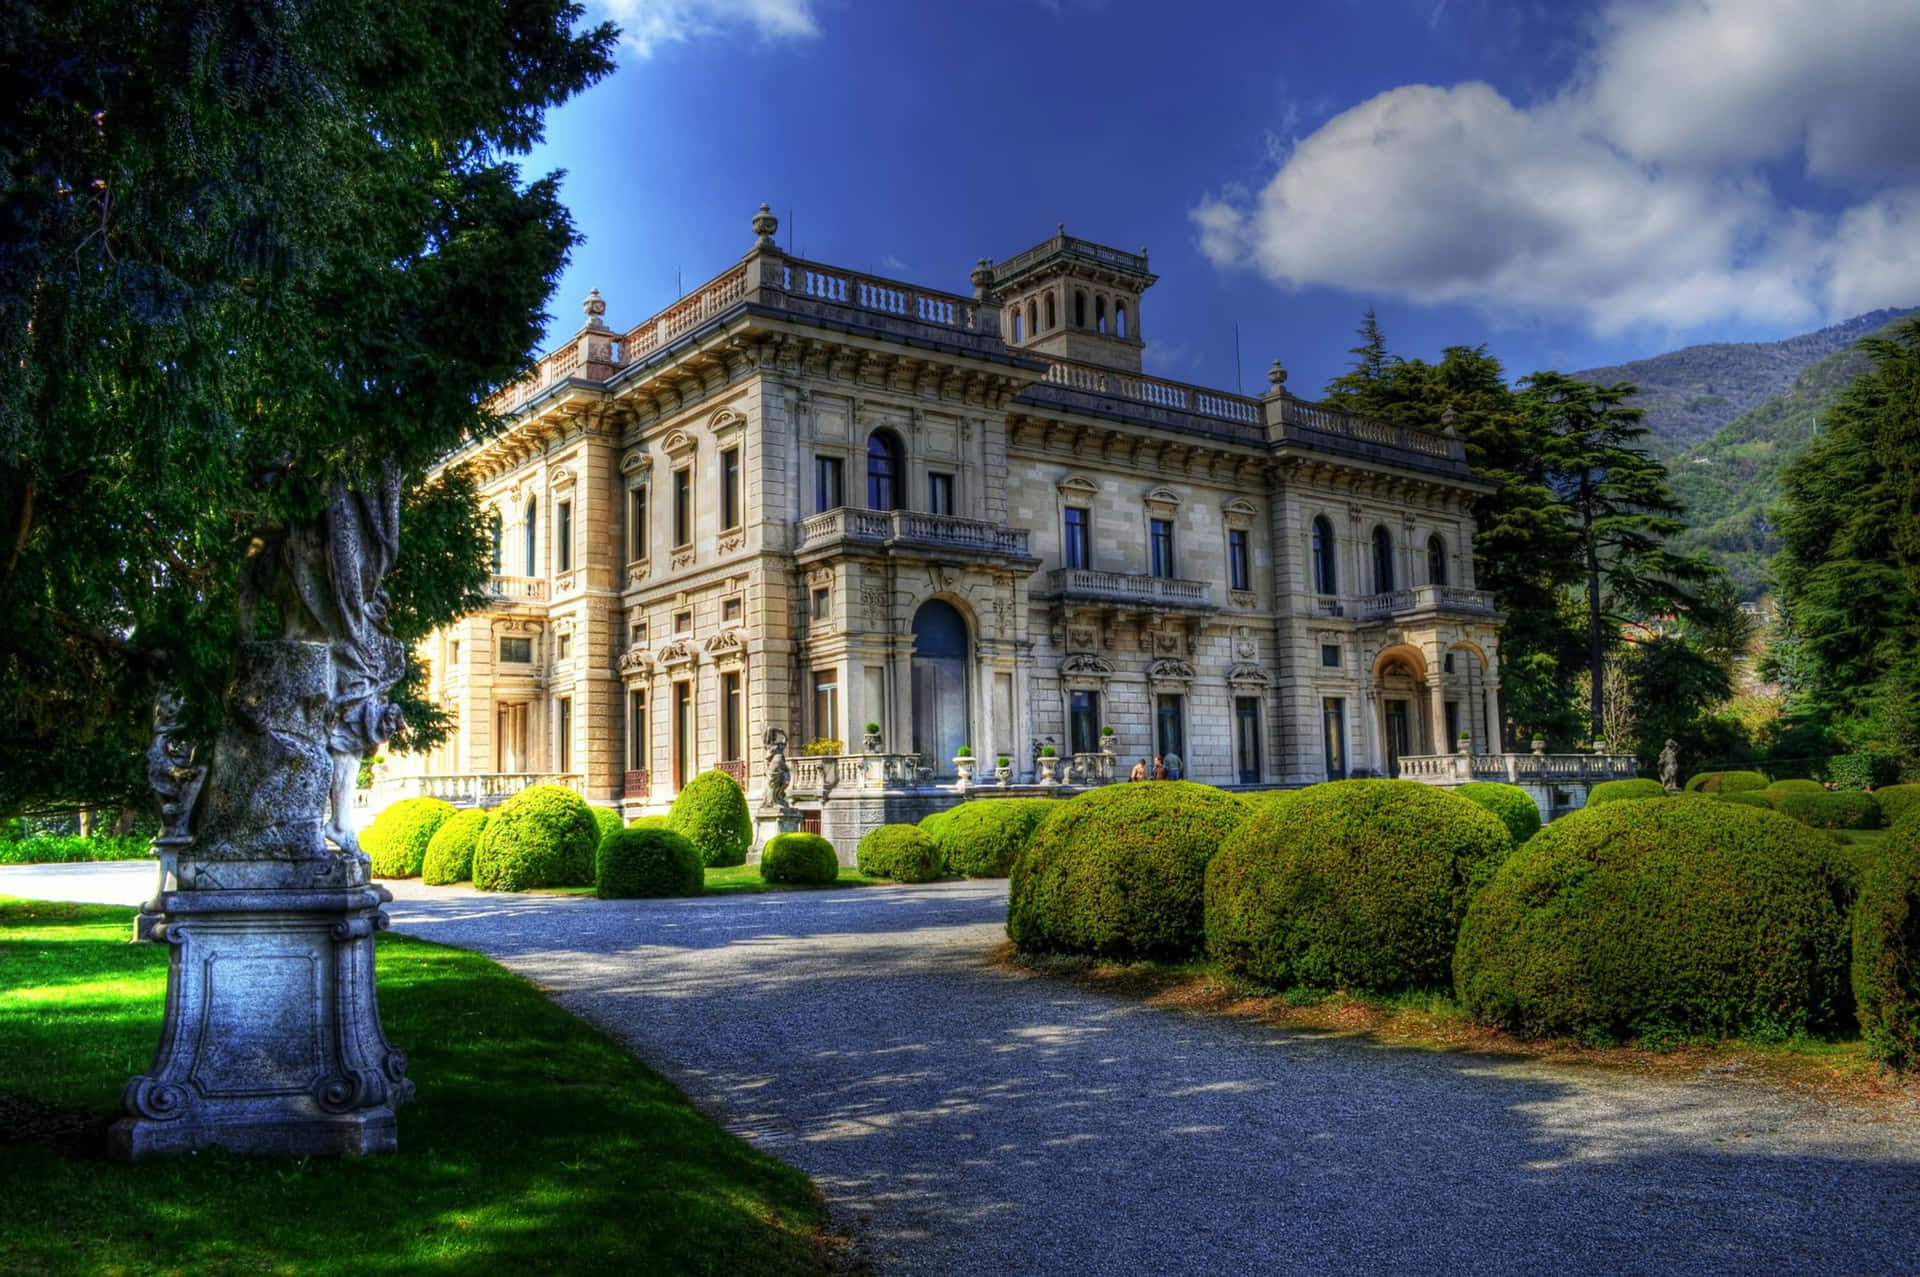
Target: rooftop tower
{"x": 1070, "y": 298}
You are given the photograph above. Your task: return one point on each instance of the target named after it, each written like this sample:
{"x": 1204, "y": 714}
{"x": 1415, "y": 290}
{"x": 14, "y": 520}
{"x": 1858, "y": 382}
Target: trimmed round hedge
{"x": 1745, "y": 798}
{"x": 449, "y": 856}
{"x": 1120, "y": 871}
{"x": 543, "y": 836}
{"x": 1886, "y": 951}
{"x": 711, "y": 813}
{"x": 1691, "y": 917}
{"x": 1846, "y": 809}
{"x": 608, "y": 821}
{"x": 1781, "y": 788}
{"x": 1897, "y": 802}
{"x": 1617, "y": 791}
{"x": 1356, "y": 884}
{"x": 396, "y": 841}
{"x": 982, "y": 839}
{"x": 1725, "y": 782}
{"x": 900, "y": 853}
{"x": 801, "y": 858}
{"x": 647, "y": 862}
{"x": 1512, "y": 804}
{"x": 650, "y": 822}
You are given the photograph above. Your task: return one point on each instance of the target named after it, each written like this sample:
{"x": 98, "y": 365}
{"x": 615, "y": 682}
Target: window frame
{"x": 731, "y": 511}
{"x": 1076, "y": 552}
{"x": 1160, "y": 549}
{"x": 683, "y": 506}
{"x": 1239, "y": 560}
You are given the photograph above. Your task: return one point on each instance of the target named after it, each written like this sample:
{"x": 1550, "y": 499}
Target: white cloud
{"x": 647, "y": 24}
{"x": 1647, "y": 191}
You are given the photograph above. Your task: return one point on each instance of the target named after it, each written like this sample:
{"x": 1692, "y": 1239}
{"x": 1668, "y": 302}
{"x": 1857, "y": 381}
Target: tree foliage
{"x": 250, "y": 247}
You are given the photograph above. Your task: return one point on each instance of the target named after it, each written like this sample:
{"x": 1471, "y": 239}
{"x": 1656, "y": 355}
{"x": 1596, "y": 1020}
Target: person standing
{"x": 1159, "y": 768}
{"x": 1139, "y": 771}
{"x": 1174, "y": 767}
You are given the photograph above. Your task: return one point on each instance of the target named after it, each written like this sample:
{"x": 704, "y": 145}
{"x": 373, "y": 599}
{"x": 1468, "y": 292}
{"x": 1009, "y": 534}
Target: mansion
{"x": 810, "y": 499}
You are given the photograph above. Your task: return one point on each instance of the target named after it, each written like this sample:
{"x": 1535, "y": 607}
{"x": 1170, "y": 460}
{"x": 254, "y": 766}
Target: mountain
{"x": 1690, "y": 395}
{"x": 1729, "y": 481}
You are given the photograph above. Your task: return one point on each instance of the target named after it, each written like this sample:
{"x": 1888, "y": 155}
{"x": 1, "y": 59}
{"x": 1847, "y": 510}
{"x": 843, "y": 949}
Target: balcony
{"x": 518, "y": 589}
{"x": 1152, "y": 593}
{"x": 850, "y": 528}
{"x": 1425, "y": 599}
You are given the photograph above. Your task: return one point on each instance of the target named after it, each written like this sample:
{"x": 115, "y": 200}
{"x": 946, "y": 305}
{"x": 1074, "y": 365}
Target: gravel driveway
{"x": 963, "y": 1119}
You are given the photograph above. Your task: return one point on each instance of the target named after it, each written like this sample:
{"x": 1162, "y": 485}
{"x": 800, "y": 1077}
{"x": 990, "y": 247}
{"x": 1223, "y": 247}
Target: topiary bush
{"x": 650, "y": 822}
{"x": 1512, "y": 804}
{"x": 1615, "y": 791}
{"x": 543, "y": 836}
{"x": 934, "y": 822}
{"x": 1859, "y": 771}
{"x": 608, "y": 820}
{"x": 1843, "y": 809}
{"x": 1886, "y": 951}
{"x": 1745, "y": 798}
{"x": 396, "y": 841}
{"x": 1690, "y": 917}
{"x": 901, "y": 853}
{"x": 1120, "y": 871}
{"x": 1357, "y": 884}
{"x": 711, "y": 812}
{"x": 449, "y": 856}
{"x": 981, "y": 839}
{"x": 647, "y": 862}
{"x": 801, "y": 858}
{"x": 1781, "y": 788}
{"x": 1725, "y": 782}
{"x": 1897, "y": 802}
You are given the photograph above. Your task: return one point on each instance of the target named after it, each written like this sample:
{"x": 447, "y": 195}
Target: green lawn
{"x": 535, "y": 1145}
{"x": 745, "y": 878}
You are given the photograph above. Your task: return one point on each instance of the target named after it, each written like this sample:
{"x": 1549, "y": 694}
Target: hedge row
{"x": 1841, "y": 809}
{"x": 1886, "y": 950}
{"x": 1725, "y": 782}
{"x": 901, "y": 853}
{"x": 396, "y": 842}
{"x": 983, "y": 838}
{"x": 69, "y": 850}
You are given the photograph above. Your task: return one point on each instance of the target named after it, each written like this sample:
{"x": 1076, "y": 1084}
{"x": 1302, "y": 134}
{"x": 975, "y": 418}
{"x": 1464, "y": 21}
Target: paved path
{"x": 962, "y": 1119}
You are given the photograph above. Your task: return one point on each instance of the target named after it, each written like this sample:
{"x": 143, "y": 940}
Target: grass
{"x": 536, "y": 1145}
{"x": 741, "y": 879}
{"x": 67, "y": 850}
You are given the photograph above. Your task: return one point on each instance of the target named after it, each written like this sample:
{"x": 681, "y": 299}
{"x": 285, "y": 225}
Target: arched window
{"x": 1100, "y": 314}
{"x": 1052, "y": 318}
{"x": 883, "y": 470}
{"x": 1016, "y": 323}
{"x": 1326, "y": 575}
{"x": 1382, "y": 559}
{"x": 532, "y": 545}
{"x": 1436, "y": 560}
{"x": 1119, "y": 319}
{"x": 1033, "y": 315}
{"x": 1079, "y": 308}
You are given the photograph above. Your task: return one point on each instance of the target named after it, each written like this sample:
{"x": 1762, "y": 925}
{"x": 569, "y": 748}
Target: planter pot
{"x": 1047, "y": 766}
{"x": 963, "y": 768}
{"x": 1003, "y": 775}
{"x": 870, "y": 742}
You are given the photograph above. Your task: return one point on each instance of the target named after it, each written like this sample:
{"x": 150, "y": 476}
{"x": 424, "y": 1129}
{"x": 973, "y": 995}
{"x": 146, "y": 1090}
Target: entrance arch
{"x": 942, "y": 651}
{"x": 1401, "y": 683}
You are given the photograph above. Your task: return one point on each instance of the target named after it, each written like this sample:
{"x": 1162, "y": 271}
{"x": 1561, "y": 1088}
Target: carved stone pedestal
{"x": 272, "y": 1044}
{"x": 772, "y": 822}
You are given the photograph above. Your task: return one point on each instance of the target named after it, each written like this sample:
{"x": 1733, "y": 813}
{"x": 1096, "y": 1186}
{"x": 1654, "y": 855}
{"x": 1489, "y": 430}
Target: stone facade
{"x": 811, "y": 499}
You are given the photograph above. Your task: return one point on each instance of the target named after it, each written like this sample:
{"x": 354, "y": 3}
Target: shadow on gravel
{"x": 964, "y": 1118}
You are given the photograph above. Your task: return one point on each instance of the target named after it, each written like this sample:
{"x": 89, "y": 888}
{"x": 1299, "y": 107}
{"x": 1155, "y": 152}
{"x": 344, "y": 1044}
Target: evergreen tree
{"x": 250, "y": 246}
{"x": 1849, "y": 564}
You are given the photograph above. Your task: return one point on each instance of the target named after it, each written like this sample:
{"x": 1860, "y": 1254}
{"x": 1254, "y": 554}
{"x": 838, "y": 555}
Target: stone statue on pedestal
{"x": 1670, "y": 764}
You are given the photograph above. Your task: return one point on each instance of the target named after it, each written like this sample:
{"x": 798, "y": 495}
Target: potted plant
{"x": 1106, "y": 738}
{"x": 1048, "y": 761}
{"x": 1466, "y": 743}
{"x": 1003, "y": 770}
{"x": 871, "y": 742}
{"x": 963, "y": 766}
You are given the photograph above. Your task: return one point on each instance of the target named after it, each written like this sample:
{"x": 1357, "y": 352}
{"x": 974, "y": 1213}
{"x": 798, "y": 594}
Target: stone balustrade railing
{"x": 1157, "y": 391}
{"x": 1301, "y": 415}
{"x": 465, "y": 789}
{"x": 689, "y": 312}
{"x": 1453, "y": 598}
{"x": 910, "y": 528}
{"x": 526, "y": 588}
{"x": 881, "y": 296}
{"x": 1123, "y": 587}
{"x": 1515, "y": 768}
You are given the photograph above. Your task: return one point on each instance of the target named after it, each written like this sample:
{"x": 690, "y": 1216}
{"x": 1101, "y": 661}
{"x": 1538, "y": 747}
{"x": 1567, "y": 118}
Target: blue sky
{"x": 1570, "y": 184}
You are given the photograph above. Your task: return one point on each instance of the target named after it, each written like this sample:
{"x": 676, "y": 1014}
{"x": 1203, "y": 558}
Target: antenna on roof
{"x": 790, "y": 251}
{"x": 679, "y": 289}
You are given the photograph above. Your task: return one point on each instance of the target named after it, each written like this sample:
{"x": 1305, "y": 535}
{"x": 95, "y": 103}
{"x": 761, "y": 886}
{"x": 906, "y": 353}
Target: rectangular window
{"x": 729, "y": 611}
{"x": 1238, "y": 575}
{"x": 517, "y": 650}
{"x": 1074, "y": 551}
{"x": 730, "y": 732}
{"x": 822, "y": 603}
{"x": 1160, "y": 546}
{"x": 563, "y": 728}
{"x": 636, "y": 524}
{"x": 1167, "y": 714}
{"x": 636, "y": 634}
{"x": 683, "y": 622}
{"x": 1083, "y": 721}
{"x": 1333, "y": 714}
{"x": 829, "y": 484}
{"x": 682, "y": 734}
{"x": 1246, "y": 736}
{"x": 940, "y": 493}
{"x": 730, "y": 488}
{"x": 637, "y": 730}
{"x": 453, "y": 652}
{"x": 1330, "y": 655}
{"x": 1453, "y": 727}
{"x": 826, "y": 705}
{"x": 564, "y": 531}
{"x": 563, "y": 647}
{"x": 682, "y": 507}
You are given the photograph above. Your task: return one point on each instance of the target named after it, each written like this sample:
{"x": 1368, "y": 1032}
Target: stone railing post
{"x": 766, "y": 265}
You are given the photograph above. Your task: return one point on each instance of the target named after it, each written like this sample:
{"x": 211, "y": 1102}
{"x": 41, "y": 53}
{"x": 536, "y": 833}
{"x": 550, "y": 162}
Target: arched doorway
{"x": 1400, "y": 686}
{"x": 941, "y": 654}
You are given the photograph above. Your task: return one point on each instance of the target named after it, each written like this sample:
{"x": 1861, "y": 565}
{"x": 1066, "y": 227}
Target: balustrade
{"x": 529, "y": 588}
{"x": 1127, "y": 587}
{"x": 882, "y": 296}
{"x": 467, "y": 789}
{"x": 1514, "y": 768}
{"x": 1453, "y": 598}
{"x": 1157, "y": 391}
{"x": 911, "y": 527}
{"x": 1297, "y": 413}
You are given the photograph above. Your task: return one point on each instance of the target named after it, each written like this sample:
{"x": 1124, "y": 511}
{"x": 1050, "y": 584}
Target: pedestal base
{"x": 770, "y": 824}
{"x": 272, "y": 1044}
